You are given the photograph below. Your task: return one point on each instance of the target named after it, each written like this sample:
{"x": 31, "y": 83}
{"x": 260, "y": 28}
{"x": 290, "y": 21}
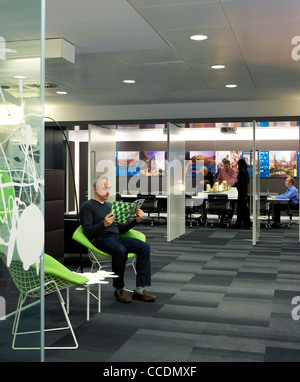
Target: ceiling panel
{"x": 149, "y": 42}
{"x": 150, "y": 56}
{"x": 181, "y": 16}
{"x": 100, "y": 26}
{"x": 261, "y": 11}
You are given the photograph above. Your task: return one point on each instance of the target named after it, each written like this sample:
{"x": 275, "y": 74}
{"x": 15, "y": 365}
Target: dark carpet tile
{"x": 281, "y": 354}
{"x": 220, "y": 299}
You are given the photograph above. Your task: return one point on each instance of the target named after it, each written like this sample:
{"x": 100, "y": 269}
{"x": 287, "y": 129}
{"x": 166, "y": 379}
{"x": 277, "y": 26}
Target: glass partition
{"x": 21, "y": 177}
{"x": 175, "y": 182}
{"x": 255, "y": 188}
{"x": 102, "y": 157}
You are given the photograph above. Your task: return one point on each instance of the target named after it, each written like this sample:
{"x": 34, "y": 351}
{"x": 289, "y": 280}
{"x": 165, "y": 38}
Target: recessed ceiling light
{"x": 198, "y": 37}
{"x": 218, "y": 66}
{"x": 129, "y": 81}
{"x": 20, "y": 77}
{"x": 61, "y": 92}
{"x": 8, "y": 50}
{"x": 230, "y": 86}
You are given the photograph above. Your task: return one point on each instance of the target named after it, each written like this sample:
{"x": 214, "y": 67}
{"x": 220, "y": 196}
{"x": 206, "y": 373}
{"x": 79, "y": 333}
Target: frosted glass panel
{"x": 176, "y": 182}
{"x": 21, "y": 173}
{"x": 102, "y": 157}
{"x": 255, "y": 188}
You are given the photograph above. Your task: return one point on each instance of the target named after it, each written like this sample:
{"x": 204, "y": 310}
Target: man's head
{"x": 102, "y": 188}
{"x": 226, "y": 164}
{"x": 289, "y": 181}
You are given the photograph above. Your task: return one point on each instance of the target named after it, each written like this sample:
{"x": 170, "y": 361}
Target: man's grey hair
{"x": 98, "y": 180}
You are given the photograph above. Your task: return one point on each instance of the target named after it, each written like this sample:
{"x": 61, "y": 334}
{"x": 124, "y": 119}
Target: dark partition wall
{"x": 54, "y": 213}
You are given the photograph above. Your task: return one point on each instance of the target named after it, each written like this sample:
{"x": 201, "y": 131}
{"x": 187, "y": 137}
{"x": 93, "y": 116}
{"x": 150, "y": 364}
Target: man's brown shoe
{"x": 143, "y": 297}
{"x": 123, "y": 296}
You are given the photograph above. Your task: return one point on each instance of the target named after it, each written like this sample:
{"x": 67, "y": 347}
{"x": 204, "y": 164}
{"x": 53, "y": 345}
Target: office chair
{"x": 96, "y": 256}
{"x": 150, "y": 206}
{"x": 218, "y": 204}
{"x": 292, "y": 210}
{"x": 190, "y": 210}
{"x": 265, "y": 213}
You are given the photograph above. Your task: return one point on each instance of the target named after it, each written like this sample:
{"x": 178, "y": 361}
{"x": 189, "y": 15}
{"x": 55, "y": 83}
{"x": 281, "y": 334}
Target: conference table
{"x": 198, "y": 200}
{"x": 232, "y": 194}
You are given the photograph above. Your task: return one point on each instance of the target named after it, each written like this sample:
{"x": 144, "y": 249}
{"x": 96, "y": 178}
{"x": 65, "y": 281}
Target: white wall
{"x": 175, "y": 111}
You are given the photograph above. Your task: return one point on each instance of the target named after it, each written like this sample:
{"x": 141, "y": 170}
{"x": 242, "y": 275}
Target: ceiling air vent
{"x": 48, "y": 85}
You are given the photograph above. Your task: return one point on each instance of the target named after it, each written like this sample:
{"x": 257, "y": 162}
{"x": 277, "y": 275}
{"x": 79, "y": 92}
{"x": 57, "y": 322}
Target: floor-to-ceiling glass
{"x": 277, "y": 148}
{"x": 218, "y": 147}
{"x": 175, "y": 182}
{"x": 102, "y": 157}
{"x": 255, "y": 189}
{"x": 21, "y": 177}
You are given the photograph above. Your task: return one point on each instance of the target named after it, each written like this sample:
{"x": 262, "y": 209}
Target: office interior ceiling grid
{"x": 148, "y": 41}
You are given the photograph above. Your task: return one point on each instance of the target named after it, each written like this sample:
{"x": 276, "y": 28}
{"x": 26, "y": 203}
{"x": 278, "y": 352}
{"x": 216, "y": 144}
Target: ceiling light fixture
{"x": 61, "y": 92}
{"x": 218, "y": 66}
{"x": 22, "y": 77}
{"x": 129, "y": 81}
{"x": 230, "y": 86}
{"x": 198, "y": 37}
{"x": 8, "y": 50}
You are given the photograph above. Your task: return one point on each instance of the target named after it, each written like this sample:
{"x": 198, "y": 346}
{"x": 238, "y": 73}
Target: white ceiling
{"x": 148, "y": 41}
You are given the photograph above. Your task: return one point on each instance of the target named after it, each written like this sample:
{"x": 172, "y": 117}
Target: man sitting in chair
{"x": 98, "y": 225}
{"x": 292, "y": 194}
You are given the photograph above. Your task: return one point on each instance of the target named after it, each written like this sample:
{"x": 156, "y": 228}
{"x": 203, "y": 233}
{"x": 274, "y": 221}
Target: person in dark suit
{"x": 243, "y": 214}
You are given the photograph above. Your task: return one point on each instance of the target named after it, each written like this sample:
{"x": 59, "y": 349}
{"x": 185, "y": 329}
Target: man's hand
{"x": 271, "y": 196}
{"x": 139, "y": 215}
{"x": 108, "y": 220}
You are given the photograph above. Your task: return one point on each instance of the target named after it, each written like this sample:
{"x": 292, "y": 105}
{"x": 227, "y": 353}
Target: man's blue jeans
{"x": 118, "y": 248}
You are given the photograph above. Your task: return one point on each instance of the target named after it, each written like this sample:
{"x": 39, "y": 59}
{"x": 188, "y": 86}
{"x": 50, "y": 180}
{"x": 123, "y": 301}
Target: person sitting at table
{"x": 227, "y": 173}
{"x": 208, "y": 178}
{"x": 292, "y": 194}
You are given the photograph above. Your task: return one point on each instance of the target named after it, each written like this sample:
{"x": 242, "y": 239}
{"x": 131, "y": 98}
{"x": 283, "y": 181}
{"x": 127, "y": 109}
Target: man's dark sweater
{"x": 92, "y": 214}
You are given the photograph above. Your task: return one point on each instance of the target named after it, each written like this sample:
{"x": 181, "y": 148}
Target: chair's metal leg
{"x": 99, "y": 298}
{"x": 68, "y": 300}
{"x": 88, "y": 303}
{"x": 133, "y": 265}
{"x": 17, "y": 320}
{"x": 21, "y": 301}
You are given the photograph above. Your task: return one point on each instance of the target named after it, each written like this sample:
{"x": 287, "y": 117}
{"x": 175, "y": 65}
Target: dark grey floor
{"x": 219, "y": 299}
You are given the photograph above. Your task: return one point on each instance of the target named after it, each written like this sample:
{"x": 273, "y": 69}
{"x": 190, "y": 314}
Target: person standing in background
{"x": 243, "y": 214}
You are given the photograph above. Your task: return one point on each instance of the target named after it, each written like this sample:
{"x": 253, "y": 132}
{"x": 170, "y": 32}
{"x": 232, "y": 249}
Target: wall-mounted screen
{"x": 152, "y": 126}
{"x": 232, "y": 156}
{"x": 264, "y": 164}
{"x": 273, "y": 164}
{"x": 205, "y": 158}
{"x": 128, "y": 163}
{"x": 282, "y": 163}
{"x": 199, "y": 125}
{"x": 247, "y": 156}
{"x": 152, "y": 163}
